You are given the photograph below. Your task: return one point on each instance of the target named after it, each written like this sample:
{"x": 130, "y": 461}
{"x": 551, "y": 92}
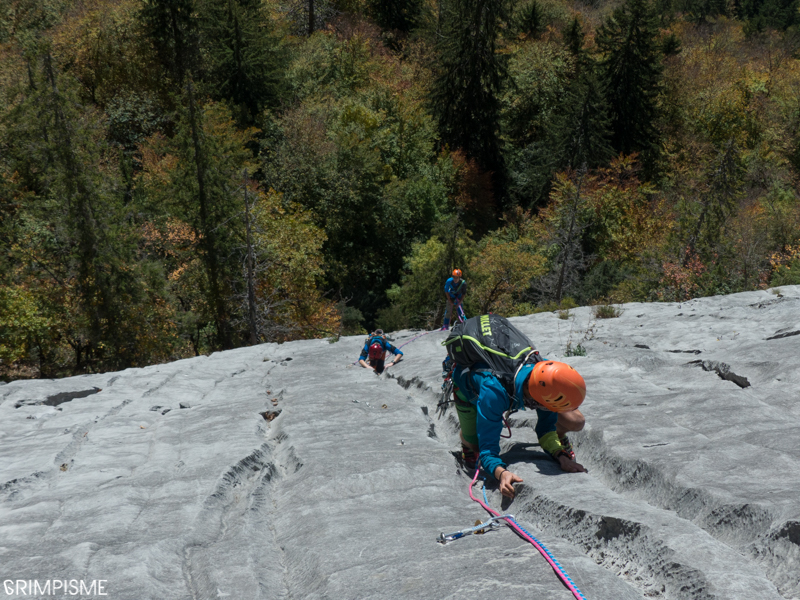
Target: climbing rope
{"x": 511, "y": 522}
{"x": 417, "y": 337}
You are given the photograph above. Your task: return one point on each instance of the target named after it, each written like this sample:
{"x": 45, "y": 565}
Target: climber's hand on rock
{"x": 507, "y": 479}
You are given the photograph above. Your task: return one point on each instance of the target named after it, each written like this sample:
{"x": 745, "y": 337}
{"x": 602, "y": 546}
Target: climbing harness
{"x": 489, "y": 525}
{"x": 448, "y": 395}
{"x": 511, "y": 522}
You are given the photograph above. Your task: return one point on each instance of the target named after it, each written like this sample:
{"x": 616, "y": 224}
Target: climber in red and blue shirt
{"x": 373, "y": 355}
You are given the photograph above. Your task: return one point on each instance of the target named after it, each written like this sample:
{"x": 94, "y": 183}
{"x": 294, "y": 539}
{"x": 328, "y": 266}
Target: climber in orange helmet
{"x": 554, "y": 389}
{"x": 454, "y": 290}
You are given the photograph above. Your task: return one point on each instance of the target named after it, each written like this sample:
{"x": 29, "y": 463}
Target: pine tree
{"x": 574, "y": 38}
{"x": 531, "y": 19}
{"x": 400, "y": 15}
{"x": 725, "y": 177}
{"x": 699, "y": 11}
{"x": 469, "y": 77}
{"x": 577, "y": 136}
{"x": 632, "y": 70}
{"x": 244, "y": 60}
{"x": 171, "y": 26}
{"x": 580, "y": 133}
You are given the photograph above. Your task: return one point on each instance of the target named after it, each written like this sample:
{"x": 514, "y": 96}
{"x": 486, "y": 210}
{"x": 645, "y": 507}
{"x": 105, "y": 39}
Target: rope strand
{"x": 560, "y": 572}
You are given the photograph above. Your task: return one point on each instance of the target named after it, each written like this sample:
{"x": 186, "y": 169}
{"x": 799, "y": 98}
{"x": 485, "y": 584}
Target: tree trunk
{"x": 209, "y": 238}
{"x": 568, "y": 242}
{"x": 251, "y": 287}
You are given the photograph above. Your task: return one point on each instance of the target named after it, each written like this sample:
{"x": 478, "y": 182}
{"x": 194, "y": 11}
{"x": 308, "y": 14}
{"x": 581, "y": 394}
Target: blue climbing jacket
{"x": 484, "y": 390}
{"x": 387, "y": 347}
{"x": 453, "y": 291}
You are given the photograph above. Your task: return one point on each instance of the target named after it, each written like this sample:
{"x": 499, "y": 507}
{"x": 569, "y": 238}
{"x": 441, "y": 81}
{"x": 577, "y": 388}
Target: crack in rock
{"x": 784, "y": 335}
{"x": 57, "y": 399}
{"x": 723, "y": 370}
{"x": 238, "y": 509}
{"x": 780, "y": 553}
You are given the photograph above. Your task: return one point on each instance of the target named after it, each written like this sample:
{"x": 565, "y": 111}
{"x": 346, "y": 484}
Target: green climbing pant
{"x": 467, "y": 418}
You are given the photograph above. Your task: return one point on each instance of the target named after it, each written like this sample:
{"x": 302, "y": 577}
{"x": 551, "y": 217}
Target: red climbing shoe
{"x": 468, "y": 457}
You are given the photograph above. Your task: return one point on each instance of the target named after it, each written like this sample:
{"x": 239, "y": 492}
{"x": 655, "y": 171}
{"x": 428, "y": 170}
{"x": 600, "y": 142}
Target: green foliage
{"x": 23, "y": 323}
{"x": 565, "y": 304}
{"x": 705, "y": 217}
{"x": 577, "y": 350}
{"x": 701, "y": 11}
{"x": 769, "y": 14}
{"x": 202, "y": 187}
{"x": 604, "y": 277}
{"x": 504, "y": 266}
{"x": 288, "y": 271}
{"x": 531, "y": 20}
{"x": 132, "y": 118}
{"x": 366, "y": 169}
{"x": 352, "y": 320}
{"x": 534, "y": 17}
{"x": 71, "y": 255}
{"x": 787, "y": 275}
{"x": 606, "y": 311}
{"x": 541, "y": 75}
{"x": 577, "y": 136}
{"x": 24, "y": 16}
{"x": 385, "y": 157}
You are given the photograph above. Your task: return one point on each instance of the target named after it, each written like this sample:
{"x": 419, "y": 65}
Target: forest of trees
{"x": 184, "y": 176}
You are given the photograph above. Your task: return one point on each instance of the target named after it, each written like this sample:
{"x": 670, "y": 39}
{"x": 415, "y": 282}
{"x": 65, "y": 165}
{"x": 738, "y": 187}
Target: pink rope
{"x": 524, "y": 535}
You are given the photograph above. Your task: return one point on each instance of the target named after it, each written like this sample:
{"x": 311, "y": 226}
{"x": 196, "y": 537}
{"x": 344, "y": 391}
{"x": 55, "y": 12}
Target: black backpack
{"x": 491, "y": 339}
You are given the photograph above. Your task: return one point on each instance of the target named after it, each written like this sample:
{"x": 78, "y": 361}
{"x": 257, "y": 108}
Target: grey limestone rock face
{"x": 284, "y": 471}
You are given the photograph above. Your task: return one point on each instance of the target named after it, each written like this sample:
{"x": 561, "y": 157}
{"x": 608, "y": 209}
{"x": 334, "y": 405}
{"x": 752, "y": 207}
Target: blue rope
{"x": 558, "y": 564}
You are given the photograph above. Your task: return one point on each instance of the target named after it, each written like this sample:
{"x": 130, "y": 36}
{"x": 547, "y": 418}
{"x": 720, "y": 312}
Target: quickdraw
{"x": 511, "y": 522}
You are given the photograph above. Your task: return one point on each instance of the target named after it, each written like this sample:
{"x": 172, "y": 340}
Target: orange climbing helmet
{"x": 556, "y": 386}
{"x": 456, "y": 272}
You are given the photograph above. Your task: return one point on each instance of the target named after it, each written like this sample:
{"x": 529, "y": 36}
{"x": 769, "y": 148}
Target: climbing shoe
{"x": 469, "y": 457}
{"x": 566, "y": 445}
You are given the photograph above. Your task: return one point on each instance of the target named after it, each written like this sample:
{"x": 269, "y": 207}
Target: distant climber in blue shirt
{"x": 454, "y": 290}
{"x": 373, "y": 356}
